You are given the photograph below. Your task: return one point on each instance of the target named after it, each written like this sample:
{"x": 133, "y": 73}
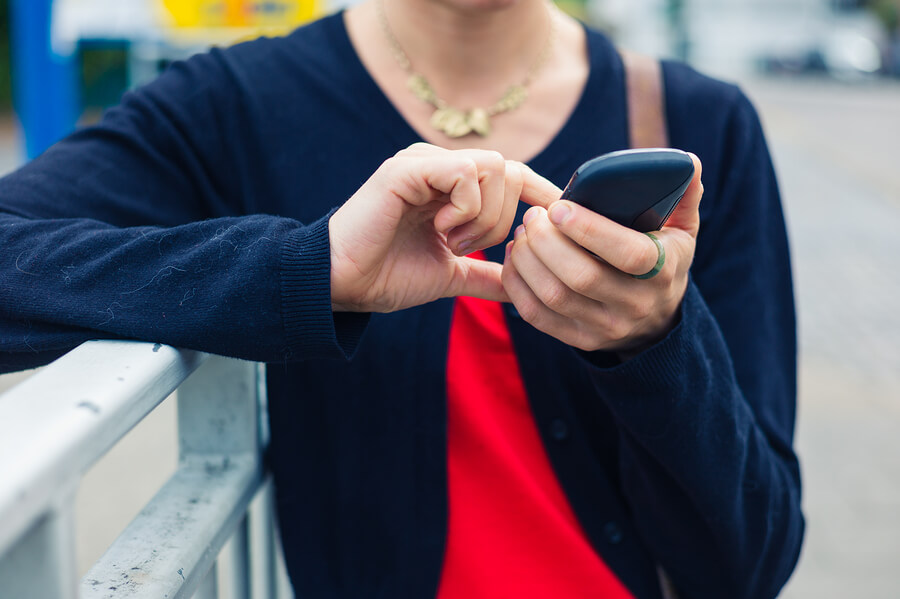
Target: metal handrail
{"x": 57, "y": 424}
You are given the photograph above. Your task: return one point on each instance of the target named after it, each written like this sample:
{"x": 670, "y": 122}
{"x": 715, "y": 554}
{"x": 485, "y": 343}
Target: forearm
{"x": 249, "y": 287}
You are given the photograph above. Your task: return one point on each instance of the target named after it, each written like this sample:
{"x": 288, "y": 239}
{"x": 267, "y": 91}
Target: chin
{"x": 479, "y": 5}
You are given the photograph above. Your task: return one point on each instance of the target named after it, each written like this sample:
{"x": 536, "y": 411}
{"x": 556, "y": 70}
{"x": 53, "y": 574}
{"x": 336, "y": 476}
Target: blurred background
{"x": 825, "y": 77}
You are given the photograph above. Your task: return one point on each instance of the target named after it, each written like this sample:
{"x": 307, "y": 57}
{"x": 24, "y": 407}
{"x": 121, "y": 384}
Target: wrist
{"x": 640, "y": 344}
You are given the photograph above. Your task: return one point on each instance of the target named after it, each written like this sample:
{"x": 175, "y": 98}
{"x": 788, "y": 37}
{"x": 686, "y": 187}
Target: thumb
{"x": 478, "y": 278}
{"x": 686, "y": 215}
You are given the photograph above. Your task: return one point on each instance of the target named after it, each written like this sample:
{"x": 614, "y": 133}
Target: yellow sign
{"x": 242, "y": 14}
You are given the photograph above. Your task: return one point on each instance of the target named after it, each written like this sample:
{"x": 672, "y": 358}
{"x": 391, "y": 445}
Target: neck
{"x": 470, "y": 54}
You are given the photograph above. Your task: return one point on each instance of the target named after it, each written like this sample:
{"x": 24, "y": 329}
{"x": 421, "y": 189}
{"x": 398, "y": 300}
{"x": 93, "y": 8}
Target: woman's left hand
{"x": 569, "y": 270}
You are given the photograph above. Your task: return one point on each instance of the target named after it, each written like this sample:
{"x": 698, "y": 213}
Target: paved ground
{"x": 836, "y": 149}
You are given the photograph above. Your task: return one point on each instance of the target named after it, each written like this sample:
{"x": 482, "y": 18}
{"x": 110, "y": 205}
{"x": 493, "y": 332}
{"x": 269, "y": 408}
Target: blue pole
{"x": 45, "y": 84}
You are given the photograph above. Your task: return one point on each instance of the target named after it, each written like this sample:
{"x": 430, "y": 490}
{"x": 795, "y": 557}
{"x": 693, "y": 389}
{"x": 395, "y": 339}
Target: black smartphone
{"x": 635, "y": 188}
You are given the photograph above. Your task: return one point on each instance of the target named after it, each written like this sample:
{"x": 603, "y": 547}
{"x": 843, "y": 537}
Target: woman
{"x": 594, "y": 431}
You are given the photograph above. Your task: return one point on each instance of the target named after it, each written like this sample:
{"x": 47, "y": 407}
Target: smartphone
{"x": 635, "y": 188}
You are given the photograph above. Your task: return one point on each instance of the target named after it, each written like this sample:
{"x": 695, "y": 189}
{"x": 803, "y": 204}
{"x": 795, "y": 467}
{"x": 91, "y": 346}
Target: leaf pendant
{"x": 456, "y": 123}
{"x": 479, "y": 121}
{"x": 451, "y": 121}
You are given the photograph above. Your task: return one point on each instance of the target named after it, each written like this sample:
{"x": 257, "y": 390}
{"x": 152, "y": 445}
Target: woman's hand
{"x": 569, "y": 273}
{"x": 400, "y": 241}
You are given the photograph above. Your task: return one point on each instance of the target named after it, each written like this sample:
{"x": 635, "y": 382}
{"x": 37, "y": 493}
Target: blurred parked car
{"x": 847, "y": 46}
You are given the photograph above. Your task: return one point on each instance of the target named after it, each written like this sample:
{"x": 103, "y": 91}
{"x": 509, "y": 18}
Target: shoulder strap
{"x": 647, "y": 128}
{"x": 646, "y": 101}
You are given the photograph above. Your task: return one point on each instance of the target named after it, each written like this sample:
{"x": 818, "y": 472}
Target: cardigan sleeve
{"x": 141, "y": 227}
{"x": 706, "y": 416}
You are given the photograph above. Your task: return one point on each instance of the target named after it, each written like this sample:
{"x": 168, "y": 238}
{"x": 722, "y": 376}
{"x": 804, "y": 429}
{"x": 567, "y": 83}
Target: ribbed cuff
{"x": 657, "y": 362}
{"x": 647, "y": 389}
{"x": 311, "y": 328}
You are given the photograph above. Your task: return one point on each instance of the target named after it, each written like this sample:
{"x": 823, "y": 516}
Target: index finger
{"x": 627, "y": 250}
{"x": 537, "y": 190}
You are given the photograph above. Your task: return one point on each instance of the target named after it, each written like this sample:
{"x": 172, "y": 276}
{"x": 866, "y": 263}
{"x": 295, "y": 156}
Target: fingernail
{"x": 529, "y": 216}
{"x": 520, "y": 230}
{"x": 461, "y": 249}
{"x": 509, "y": 250}
{"x": 559, "y": 213}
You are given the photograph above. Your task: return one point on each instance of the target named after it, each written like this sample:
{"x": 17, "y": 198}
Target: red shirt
{"x": 511, "y": 531}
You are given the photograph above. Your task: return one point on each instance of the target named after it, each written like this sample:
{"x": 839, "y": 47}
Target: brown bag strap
{"x": 646, "y": 101}
{"x": 647, "y": 128}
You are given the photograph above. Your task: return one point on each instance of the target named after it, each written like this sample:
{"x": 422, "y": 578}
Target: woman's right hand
{"x": 401, "y": 240}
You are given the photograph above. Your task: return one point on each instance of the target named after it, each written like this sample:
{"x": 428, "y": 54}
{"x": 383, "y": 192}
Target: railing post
{"x": 217, "y": 411}
{"x": 209, "y": 588}
{"x": 264, "y": 556}
{"x": 42, "y": 564}
{"x": 240, "y": 560}
{"x": 218, "y": 417}
{"x": 204, "y": 503}
{"x": 56, "y": 424}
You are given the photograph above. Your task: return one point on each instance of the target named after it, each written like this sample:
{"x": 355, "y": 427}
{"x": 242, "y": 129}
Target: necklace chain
{"x": 454, "y": 122}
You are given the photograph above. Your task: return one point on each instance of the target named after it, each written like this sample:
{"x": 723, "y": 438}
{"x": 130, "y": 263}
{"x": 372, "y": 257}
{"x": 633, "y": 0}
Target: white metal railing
{"x": 58, "y": 423}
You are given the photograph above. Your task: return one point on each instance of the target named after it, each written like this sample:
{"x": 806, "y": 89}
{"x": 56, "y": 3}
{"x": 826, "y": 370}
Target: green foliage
{"x": 888, "y": 11}
{"x": 104, "y": 74}
{"x": 103, "y": 70}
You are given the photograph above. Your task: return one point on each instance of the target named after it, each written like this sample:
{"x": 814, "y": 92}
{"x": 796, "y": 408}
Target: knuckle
{"x": 616, "y": 330}
{"x": 419, "y": 148}
{"x": 586, "y": 341}
{"x": 491, "y": 218}
{"x": 396, "y": 170}
{"x": 468, "y": 169}
{"x": 665, "y": 277}
{"x": 393, "y": 163}
{"x": 496, "y": 162}
{"x": 407, "y": 152}
{"x": 529, "y": 311}
{"x": 514, "y": 175}
{"x": 583, "y": 280}
{"x": 586, "y": 231}
{"x": 640, "y": 310}
{"x": 555, "y": 296}
{"x": 470, "y": 214}
{"x": 617, "y": 333}
{"x": 489, "y": 159}
{"x": 465, "y": 171}
{"x": 638, "y": 261}
{"x": 539, "y": 231}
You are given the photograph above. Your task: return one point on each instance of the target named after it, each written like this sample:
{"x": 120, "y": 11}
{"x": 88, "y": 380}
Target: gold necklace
{"x": 454, "y": 122}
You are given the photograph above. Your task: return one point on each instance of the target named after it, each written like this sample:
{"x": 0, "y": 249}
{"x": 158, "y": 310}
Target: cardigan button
{"x": 559, "y": 430}
{"x": 613, "y": 533}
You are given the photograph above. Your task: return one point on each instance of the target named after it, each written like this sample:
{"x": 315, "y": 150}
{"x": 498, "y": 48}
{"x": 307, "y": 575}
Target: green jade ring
{"x": 660, "y": 260}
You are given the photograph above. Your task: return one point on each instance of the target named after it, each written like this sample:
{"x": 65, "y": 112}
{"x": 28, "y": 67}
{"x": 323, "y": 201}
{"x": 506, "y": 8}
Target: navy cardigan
{"x": 195, "y": 214}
